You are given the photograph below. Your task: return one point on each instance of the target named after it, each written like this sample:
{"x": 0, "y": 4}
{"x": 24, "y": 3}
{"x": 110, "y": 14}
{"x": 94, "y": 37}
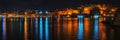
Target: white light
{"x": 40, "y": 12}
{"x": 96, "y": 16}
{"x": 80, "y": 16}
{"x": 46, "y": 12}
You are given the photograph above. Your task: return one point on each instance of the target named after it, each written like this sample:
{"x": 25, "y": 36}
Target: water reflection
{"x": 96, "y": 28}
{"x": 102, "y": 30}
{"x": 25, "y": 29}
{"x": 20, "y": 29}
{"x": 45, "y": 28}
{"x": 86, "y": 28}
{"x": 20, "y": 25}
{"x": 36, "y": 28}
{"x": 41, "y": 29}
{"x": 69, "y": 28}
{"x": 80, "y": 28}
{"x": 3, "y": 28}
{"x": 58, "y": 29}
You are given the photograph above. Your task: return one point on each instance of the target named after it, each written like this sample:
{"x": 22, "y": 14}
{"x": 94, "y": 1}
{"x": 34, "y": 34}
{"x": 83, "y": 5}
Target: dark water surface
{"x": 56, "y": 29}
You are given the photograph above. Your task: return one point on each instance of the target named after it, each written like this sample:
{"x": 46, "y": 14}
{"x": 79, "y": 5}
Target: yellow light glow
{"x": 69, "y": 13}
{"x": 75, "y": 11}
{"x": 86, "y": 10}
{"x": 10, "y": 15}
{"x": 69, "y": 27}
{"x": 113, "y": 9}
{"x": 101, "y": 12}
{"x": 25, "y": 29}
{"x": 104, "y": 14}
{"x": 61, "y": 12}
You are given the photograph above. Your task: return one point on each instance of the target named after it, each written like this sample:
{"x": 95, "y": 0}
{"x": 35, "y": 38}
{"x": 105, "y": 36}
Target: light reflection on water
{"x": 102, "y": 30}
{"x": 54, "y": 29}
{"x": 36, "y": 28}
{"x": 20, "y": 25}
{"x": 41, "y": 29}
{"x": 25, "y": 29}
{"x": 86, "y": 28}
{"x": 80, "y": 29}
{"x": 47, "y": 29}
{"x": 96, "y": 28}
{"x": 3, "y": 28}
{"x": 69, "y": 28}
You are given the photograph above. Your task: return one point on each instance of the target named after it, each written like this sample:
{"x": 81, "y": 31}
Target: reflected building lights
{"x": 70, "y": 28}
{"x": 36, "y": 27}
{"x": 80, "y": 16}
{"x": 102, "y": 30}
{"x": 3, "y": 28}
{"x": 20, "y": 25}
{"x": 80, "y": 28}
{"x": 86, "y": 28}
{"x": 47, "y": 29}
{"x": 69, "y": 25}
{"x": 25, "y": 29}
{"x": 96, "y": 28}
{"x": 21, "y": 28}
{"x": 41, "y": 29}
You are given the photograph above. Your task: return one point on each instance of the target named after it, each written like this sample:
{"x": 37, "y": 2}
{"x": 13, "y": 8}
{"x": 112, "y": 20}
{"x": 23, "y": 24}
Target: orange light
{"x": 9, "y": 15}
{"x": 75, "y": 11}
{"x": 104, "y": 14}
{"x": 101, "y": 12}
{"x": 86, "y": 10}
{"x": 103, "y": 7}
{"x": 69, "y": 26}
{"x": 69, "y": 13}
{"x": 61, "y": 12}
{"x": 86, "y": 23}
{"x": 86, "y": 28}
{"x": 102, "y": 30}
{"x": 25, "y": 29}
{"x": 113, "y": 9}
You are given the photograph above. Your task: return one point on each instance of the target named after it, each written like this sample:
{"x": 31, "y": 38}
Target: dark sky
{"x": 37, "y": 4}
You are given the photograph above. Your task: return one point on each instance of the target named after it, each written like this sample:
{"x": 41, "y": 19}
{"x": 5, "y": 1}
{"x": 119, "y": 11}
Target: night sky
{"x": 49, "y": 4}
